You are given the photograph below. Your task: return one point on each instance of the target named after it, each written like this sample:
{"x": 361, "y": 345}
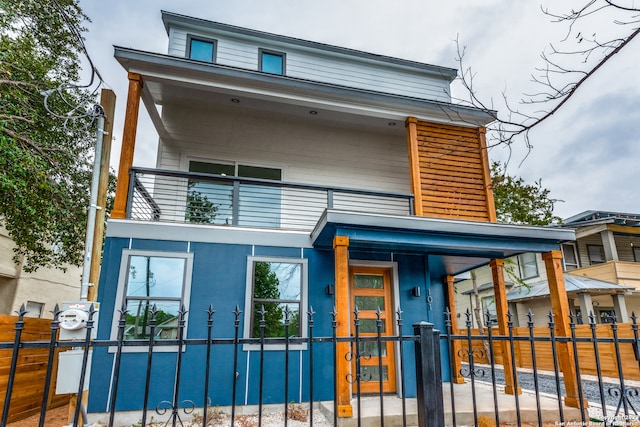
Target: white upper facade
{"x": 241, "y": 48}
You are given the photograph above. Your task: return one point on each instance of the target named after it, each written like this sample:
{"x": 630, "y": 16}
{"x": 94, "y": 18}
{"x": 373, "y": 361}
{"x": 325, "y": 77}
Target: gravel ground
{"x": 590, "y": 389}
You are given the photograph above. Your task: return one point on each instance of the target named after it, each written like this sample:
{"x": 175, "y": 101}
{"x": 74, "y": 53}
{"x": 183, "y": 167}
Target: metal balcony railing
{"x": 187, "y": 197}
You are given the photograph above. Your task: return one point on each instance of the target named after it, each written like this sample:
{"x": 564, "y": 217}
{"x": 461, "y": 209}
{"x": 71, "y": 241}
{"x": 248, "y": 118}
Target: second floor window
{"x": 201, "y": 49}
{"x": 528, "y": 265}
{"x": 596, "y": 254}
{"x": 212, "y": 202}
{"x": 272, "y": 62}
{"x": 569, "y": 256}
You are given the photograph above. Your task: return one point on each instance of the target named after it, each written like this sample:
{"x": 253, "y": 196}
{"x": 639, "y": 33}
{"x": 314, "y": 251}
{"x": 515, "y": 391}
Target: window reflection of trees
{"x": 276, "y": 287}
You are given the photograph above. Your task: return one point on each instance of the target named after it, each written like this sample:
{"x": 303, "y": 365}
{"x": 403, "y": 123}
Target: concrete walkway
{"x": 370, "y": 408}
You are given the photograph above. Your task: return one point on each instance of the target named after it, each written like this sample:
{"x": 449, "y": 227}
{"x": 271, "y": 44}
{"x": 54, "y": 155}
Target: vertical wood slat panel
{"x": 28, "y": 387}
{"x": 454, "y": 172}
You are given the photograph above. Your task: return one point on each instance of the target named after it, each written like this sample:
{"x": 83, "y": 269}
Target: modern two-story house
{"x": 292, "y": 174}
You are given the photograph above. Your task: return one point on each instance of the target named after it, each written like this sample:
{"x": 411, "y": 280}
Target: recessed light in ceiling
{"x": 235, "y": 100}
{"x": 313, "y": 112}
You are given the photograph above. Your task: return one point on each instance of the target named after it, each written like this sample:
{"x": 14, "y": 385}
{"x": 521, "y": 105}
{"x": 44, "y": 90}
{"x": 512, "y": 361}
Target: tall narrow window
{"x": 528, "y": 265}
{"x": 149, "y": 279}
{"x": 569, "y": 256}
{"x": 272, "y": 62}
{"x": 278, "y": 285}
{"x": 201, "y": 49}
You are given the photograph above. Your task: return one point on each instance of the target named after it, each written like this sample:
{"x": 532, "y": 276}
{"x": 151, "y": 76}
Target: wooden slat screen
{"x": 28, "y": 385}
{"x": 453, "y": 175}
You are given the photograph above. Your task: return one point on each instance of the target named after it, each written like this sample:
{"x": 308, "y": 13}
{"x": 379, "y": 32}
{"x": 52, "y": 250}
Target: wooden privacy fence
{"x": 607, "y": 357}
{"x": 28, "y": 383}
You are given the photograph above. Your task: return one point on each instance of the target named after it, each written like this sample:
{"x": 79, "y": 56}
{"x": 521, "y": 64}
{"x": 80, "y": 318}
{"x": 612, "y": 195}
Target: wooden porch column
{"x": 343, "y": 319}
{"x": 560, "y": 307}
{"x": 414, "y": 164}
{"x": 500, "y": 295}
{"x": 128, "y": 145}
{"x": 456, "y": 376}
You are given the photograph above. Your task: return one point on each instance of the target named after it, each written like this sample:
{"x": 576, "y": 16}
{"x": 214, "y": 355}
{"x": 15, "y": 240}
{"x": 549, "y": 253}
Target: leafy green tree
{"x": 44, "y": 159}
{"x": 200, "y": 209}
{"x": 265, "y": 288}
{"x": 518, "y": 202}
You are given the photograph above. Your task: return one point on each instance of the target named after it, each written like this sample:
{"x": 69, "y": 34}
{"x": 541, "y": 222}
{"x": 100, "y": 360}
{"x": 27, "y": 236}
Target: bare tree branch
{"x": 563, "y": 74}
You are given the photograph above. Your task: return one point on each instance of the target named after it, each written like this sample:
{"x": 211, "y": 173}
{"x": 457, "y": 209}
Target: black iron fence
{"x": 425, "y": 341}
{"x": 480, "y": 359}
{"x": 600, "y": 400}
{"x": 199, "y": 198}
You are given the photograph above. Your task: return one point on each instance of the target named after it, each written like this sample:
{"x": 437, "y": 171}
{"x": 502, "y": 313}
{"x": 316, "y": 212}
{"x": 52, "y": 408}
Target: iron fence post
{"x": 52, "y": 349}
{"x": 14, "y": 363}
{"x": 428, "y": 375}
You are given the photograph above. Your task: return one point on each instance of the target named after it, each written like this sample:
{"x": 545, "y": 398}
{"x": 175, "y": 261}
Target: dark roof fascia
{"x": 598, "y": 217}
{"x": 174, "y": 18}
{"x": 173, "y": 64}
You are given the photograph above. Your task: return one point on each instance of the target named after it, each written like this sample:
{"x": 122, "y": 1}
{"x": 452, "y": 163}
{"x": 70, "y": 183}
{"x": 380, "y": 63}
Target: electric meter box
{"x": 69, "y": 370}
{"x": 73, "y": 320}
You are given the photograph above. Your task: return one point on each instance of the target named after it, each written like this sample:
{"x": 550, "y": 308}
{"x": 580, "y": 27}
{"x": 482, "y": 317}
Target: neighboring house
{"x": 604, "y": 267}
{"x": 291, "y": 174}
{"x": 40, "y": 290}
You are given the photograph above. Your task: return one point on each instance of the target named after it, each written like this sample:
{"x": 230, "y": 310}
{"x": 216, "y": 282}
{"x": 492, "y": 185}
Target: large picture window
{"x": 278, "y": 285}
{"x": 211, "y": 202}
{"x": 148, "y": 279}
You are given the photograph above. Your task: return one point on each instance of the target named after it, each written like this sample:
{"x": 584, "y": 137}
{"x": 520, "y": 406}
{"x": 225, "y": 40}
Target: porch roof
{"x": 574, "y": 284}
{"x": 172, "y": 79}
{"x": 453, "y": 246}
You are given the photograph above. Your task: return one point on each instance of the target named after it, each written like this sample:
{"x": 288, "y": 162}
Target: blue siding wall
{"x": 219, "y": 279}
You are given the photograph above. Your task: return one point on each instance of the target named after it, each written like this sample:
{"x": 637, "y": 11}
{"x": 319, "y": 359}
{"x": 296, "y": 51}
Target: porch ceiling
{"x": 453, "y": 246}
{"x": 174, "y": 80}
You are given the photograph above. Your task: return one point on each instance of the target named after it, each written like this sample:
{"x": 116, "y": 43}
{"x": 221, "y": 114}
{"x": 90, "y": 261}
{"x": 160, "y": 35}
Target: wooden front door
{"x": 370, "y": 290}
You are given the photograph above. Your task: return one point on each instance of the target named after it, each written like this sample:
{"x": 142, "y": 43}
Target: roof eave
{"x": 176, "y": 68}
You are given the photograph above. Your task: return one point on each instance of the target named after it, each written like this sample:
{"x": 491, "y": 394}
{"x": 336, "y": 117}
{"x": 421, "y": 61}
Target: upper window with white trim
{"x": 148, "y": 279}
{"x": 570, "y": 256}
{"x": 272, "y": 62}
{"x": 201, "y": 48}
{"x": 528, "y": 265}
{"x": 278, "y": 285}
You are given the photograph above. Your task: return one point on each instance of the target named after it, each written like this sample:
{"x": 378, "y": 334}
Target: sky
{"x": 587, "y": 154}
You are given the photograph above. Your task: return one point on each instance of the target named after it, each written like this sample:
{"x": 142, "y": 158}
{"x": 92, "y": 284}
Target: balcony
{"x": 187, "y": 197}
{"x": 621, "y": 272}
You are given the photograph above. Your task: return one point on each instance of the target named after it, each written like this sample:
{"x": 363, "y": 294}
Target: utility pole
{"x": 108, "y": 102}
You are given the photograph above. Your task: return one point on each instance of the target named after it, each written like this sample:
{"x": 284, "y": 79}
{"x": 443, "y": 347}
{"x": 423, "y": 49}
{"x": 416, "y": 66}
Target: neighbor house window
{"x": 596, "y": 254}
{"x": 201, "y": 49}
{"x": 148, "y": 279}
{"x": 569, "y": 256}
{"x": 489, "y": 305}
{"x": 212, "y": 201}
{"x": 276, "y": 285}
{"x": 272, "y": 62}
{"x": 34, "y": 309}
{"x": 528, "y": 265}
